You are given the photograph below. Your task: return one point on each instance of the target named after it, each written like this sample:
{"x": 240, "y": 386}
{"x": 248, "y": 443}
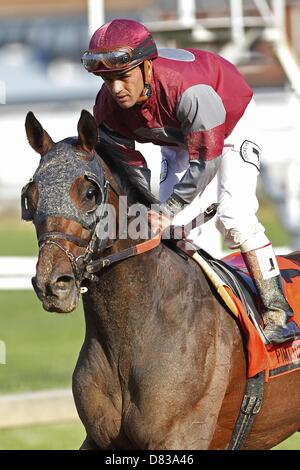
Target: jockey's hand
{"x": 163, "y": 218}
{"x": 173, "y": 205}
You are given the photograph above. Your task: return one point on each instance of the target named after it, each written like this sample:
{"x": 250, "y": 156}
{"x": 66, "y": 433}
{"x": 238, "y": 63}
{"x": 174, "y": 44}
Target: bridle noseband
{"x": 51, "y": 238}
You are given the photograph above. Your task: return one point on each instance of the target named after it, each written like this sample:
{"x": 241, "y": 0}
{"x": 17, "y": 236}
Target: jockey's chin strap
{"x": 147, "y": 69}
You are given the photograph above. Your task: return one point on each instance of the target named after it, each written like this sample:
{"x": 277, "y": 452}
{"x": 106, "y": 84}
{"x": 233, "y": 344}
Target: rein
{"x": 101, "y": 263}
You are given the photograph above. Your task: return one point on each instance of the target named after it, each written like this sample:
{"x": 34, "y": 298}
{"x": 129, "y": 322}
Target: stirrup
{"x": 277, "y": 334}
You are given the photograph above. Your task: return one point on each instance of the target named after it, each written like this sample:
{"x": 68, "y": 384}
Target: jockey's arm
{"x": 193, "y": 183}
{"x": 202, "y": 115}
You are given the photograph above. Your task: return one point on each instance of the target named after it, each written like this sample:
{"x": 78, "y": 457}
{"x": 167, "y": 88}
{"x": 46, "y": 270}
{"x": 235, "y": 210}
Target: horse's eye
{"x": 91, "y": 194}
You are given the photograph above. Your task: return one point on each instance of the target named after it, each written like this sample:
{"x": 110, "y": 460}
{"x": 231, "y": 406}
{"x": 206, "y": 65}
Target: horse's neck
{"x": 114, "y": 300}
{"x": 135, "y": 295}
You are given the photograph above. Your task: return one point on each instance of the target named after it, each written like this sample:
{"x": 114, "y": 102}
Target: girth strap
{"x": 250, "y": 407}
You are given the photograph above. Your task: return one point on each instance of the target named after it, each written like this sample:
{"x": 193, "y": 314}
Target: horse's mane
{"x": 129, "y": 179}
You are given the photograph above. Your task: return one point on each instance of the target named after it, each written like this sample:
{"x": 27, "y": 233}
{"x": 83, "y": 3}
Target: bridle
{"x": 85, "y": 266}
{"x": 92, "y": 246}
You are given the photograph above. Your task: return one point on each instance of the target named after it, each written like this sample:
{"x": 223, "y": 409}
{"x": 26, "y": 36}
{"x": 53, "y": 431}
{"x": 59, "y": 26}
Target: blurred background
{"x": 40, "y": 48}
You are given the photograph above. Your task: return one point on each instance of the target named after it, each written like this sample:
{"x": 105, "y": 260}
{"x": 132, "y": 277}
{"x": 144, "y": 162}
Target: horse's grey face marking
{"x": 54, "y": 177}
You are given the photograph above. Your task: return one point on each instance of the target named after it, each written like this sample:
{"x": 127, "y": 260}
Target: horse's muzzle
{"x": 58, "y": 294}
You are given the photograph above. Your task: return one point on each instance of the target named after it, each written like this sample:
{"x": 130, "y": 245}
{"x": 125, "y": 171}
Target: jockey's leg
{"x": 263, "y": 267}
{"x": 237, "y": 220}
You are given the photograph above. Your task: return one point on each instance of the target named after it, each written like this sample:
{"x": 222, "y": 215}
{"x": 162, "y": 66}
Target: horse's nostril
{"x": 63, "y": 283}
{"x": 60, "y": 286}
{"x": 65, "y": 279}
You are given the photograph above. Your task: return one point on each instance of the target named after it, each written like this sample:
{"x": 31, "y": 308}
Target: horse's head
{"x": 65, "y": 199}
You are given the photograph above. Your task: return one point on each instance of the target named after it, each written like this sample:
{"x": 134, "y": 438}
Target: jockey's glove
{"x": 172, "y": 206}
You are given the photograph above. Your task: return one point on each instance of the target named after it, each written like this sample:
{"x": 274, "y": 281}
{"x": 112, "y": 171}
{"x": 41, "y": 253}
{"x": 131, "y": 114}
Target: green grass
{"x": 268, "y": 216}
{"x": 70, "y": 436}
{"x": 41, "y": 352}
{"x": 292, "y": 443}
{"x": 52, "y": 437}
{"x": 41, "y": 347}
{"x": 17, "y": 238}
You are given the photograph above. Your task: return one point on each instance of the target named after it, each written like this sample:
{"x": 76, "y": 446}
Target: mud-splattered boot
{"x": 276, "y": 311}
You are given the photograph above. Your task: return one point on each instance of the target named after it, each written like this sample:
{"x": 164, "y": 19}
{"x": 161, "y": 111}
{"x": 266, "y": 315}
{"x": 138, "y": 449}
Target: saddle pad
{"x": 274, "y": 359}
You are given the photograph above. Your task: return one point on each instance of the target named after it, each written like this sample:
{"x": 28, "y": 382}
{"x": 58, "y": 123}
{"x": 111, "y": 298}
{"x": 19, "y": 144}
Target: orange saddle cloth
{"x": 274, "y": 359}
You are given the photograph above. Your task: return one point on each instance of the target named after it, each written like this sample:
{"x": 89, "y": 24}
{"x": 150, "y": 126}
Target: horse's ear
{"x": 38, "y": 138}
{"x": 87, "y": 131}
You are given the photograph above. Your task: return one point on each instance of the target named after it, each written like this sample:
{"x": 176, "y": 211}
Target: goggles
{"x": 123, "y": 57}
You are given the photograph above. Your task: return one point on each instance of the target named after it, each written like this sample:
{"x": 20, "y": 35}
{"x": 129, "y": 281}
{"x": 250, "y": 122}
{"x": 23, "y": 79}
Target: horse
{"x": 163, "y": 365}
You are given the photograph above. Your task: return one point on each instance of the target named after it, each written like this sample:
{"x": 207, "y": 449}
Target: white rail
{"x": 16, "y": 272}
{"x": 33, "y": 408}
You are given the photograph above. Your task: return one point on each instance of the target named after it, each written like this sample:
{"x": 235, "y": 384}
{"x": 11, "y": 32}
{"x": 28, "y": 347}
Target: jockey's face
{"x": 126, "y": 87}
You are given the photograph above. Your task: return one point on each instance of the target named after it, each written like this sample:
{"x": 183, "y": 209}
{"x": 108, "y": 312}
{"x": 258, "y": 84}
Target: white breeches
{"x": 236, "y": 186}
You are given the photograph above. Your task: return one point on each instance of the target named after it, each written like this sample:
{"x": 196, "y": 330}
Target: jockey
{"x": 200, "y": 110}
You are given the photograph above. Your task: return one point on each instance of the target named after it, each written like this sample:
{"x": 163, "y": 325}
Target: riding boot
{"x": 276, "y": 311}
